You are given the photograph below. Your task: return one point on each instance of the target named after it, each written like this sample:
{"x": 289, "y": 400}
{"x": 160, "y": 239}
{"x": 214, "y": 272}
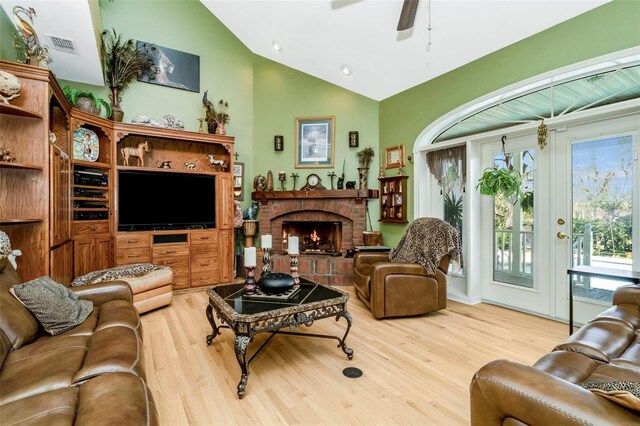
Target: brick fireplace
{"x": 280, "y": 209}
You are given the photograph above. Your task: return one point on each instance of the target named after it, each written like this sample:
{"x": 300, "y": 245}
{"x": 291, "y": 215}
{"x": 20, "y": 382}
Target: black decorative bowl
{"x": 275, "y": 282}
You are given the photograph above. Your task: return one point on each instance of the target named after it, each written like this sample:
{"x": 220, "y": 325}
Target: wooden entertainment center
{"x": 66, "y": 227}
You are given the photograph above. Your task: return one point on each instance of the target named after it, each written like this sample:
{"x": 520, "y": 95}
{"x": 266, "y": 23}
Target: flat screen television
{"x": 161, "y": 200}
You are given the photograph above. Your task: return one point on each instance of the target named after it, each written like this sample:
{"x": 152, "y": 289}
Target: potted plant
{"x": 364, "y": 160}
{"x": 216, "y": 115}
{"x": 501, "y": 181}
{"x": 122, "y": 63}
{"x": 86, "y": 101}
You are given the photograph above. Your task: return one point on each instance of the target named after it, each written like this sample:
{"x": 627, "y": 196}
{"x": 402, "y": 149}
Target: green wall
{"x": 280, "y": 95}
{"x": 7, "y": 52}
{"x": 609, "y": 28}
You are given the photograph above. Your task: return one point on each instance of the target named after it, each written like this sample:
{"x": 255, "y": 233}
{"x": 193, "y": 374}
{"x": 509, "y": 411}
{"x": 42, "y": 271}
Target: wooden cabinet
{"x": 34, "y": 201}
{"x": 393, "y": 199}
{"x": 91, "y": 253}
{"x": 194, "y": 255}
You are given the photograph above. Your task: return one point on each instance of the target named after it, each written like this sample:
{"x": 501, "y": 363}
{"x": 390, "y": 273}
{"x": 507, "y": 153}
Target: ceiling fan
{"x": 408, "y": 14}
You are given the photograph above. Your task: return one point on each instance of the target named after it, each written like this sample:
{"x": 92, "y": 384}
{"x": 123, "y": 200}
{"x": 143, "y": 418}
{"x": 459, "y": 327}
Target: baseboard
{"x": 463, "y": 299}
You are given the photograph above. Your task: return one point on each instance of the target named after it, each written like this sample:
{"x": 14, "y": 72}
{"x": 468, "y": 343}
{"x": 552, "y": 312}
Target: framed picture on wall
{"x": 315, "y": 142}
{"x": 170, "y": 67}
{"x": 394, "y": 157}
{"x": 238, "y": 181}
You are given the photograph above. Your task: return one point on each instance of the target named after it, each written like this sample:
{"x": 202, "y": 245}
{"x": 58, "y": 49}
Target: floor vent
{"x": 63, "y": 44}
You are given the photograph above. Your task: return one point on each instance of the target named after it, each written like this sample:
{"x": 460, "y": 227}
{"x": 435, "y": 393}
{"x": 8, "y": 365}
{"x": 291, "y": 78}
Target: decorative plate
{"x": 86, "y": 145}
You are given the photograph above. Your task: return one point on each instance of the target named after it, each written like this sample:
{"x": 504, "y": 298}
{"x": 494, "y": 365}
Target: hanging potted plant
{"x": 122, "y": 63}
{"x": 501, "y": 181}
{"x": 86, "y": 101}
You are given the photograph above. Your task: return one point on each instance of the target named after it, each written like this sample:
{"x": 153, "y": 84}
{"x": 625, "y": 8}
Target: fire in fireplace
{"x": 315, "y": 237}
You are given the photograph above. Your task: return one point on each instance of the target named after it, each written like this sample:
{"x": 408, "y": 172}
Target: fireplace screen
{"x": 315, "y": 237}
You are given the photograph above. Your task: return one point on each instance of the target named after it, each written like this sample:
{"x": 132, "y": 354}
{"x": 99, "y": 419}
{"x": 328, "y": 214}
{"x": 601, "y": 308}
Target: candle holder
{"x": 266, "y": 261}
{"x": 293, "y": 268}
{"x": 250, "y": 285}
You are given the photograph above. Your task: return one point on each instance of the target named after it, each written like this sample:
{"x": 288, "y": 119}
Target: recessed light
{"x": 346, "y": 69}
{"x": 276, "y": 46}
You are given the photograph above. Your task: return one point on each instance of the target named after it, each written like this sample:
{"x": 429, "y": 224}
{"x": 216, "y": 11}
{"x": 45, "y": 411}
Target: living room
{"x": 415, "y": 368}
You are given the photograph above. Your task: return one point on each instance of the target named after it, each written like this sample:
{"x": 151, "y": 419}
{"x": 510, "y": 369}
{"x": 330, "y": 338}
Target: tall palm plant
{"x": 122, "y": 63}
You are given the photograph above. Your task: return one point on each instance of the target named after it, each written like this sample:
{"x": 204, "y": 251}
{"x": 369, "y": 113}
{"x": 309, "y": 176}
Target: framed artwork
{"x": 170, "y": 67}
{"x": 238, "y": 181}
{"x": 394, "y": 157}
{"x": 315, "y": 142}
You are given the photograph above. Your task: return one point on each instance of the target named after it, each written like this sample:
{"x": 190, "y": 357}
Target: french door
{"x": 515, "y": 269}
{"x": 596, "y": 214}
{"x": 580, "y": 206}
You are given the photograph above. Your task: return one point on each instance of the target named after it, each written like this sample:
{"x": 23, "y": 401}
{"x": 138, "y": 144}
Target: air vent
{"x": 63, "y": 44}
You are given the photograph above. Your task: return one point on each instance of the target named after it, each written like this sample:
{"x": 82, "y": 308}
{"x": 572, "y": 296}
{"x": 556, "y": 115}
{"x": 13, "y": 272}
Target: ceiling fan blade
{"x": 408, "y": 14}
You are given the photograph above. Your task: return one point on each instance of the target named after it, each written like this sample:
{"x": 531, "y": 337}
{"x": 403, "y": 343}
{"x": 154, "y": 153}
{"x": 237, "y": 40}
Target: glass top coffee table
{"x": 248, "y": 316}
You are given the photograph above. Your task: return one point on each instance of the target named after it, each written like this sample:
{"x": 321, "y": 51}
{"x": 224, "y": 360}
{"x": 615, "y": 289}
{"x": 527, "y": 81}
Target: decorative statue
{"x": 201, "y": 128}
{"x": 7, "y": 155}
{"x": 163, "y": 164}
{"x": 269, "y": 180}
{"x": 215, "y": 163}
{"x": 167, "y": 122}
{"x": 9, "y": 87}
{"x": 295, "y": 177}
{"x": 251, "y": 213}
{"x": 26, "y": 41}
{"x": 237, "y": 215}
{"x": 135, "y": 152}
{"x": 351, "y": 184}
{"x": 259, "y": 183}
{"x": 192, "y": 166}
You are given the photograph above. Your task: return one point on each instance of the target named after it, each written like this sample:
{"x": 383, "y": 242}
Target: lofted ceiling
{"x": 319, "y": 37}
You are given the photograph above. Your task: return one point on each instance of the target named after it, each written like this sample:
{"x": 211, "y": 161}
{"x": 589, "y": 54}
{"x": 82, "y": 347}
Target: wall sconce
{"x": 353, "y": 139}
{"x": 278, "y": 143}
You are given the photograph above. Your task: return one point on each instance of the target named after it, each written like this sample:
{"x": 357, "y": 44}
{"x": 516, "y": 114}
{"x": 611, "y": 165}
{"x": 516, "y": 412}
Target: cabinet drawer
{"x": 204, "y": 250}
{"x": 91, "y": 228}
{"x": 177, "y": 263}
{"x": 134, "y": 255}
{"x": 199, "y": 264}
{"x": 204, "y": 237}
{"x": 126, "y": 241}
{"x": 161, "y": 251}
{"x": 204, "y": 278}
{"x": 180, "y": 282}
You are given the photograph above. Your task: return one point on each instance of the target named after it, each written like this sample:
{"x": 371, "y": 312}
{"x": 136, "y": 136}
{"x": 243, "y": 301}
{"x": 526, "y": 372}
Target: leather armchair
{"x": 392, "y": 289}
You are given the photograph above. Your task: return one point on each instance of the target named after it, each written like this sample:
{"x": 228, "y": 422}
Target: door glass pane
{"x": 513, "y": 224}
{"x": 452, "y": 200}
{"x": 602, "y": 211}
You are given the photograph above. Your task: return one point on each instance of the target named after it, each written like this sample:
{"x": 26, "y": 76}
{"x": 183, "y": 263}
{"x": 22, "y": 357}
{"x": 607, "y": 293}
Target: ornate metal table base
{"x": 247, "y": 326}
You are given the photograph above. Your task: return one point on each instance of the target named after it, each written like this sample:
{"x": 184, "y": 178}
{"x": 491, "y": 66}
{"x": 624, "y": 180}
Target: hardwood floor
{"x": 416, "y": 370}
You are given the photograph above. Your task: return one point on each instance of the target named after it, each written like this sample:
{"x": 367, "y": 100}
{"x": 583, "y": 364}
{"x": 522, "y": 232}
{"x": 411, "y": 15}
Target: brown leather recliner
{"x": 391, "y": 289}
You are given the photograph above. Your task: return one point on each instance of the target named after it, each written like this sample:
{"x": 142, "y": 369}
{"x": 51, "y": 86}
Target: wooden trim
{"x": 315, "y": 194}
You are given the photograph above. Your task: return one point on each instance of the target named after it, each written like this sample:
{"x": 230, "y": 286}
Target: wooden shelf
{"x": 161, "y": 170}
{"x": 9, "y": 109}
{"x": 90, "y": 209}
{"x": 90, "y": 199}
{"x": 102, "y": 188}
{"x": 93, "y": 164}
{"x": 26, "y": 166}
{"x": 393, "y": 199}
{"x": 18, "y": 221}
{"x": 317, "y": 193}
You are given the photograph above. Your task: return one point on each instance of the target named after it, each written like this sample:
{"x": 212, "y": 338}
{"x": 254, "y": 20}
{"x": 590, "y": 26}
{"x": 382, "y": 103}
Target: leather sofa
{"x": 92, "y": 374}
{"x": 391, "y": 289}
{"x": 607, "y": 349}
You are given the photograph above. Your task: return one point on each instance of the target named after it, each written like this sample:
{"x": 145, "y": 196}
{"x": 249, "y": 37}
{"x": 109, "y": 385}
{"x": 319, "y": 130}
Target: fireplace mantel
{"x": 358, "y": 195}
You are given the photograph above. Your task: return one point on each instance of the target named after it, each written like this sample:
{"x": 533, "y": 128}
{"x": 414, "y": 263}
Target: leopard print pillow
{"x": 5, "y": 245}
{"x": 624, "y": 393}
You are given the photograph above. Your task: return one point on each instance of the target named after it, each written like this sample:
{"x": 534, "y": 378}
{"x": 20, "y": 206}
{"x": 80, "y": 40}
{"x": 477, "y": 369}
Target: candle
{"x": 265, "y": 241}
{"x": 250, "y": 256}
{"x": 293, "y": 245}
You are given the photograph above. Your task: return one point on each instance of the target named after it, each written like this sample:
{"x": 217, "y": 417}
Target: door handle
{"x": 561, "y": 235}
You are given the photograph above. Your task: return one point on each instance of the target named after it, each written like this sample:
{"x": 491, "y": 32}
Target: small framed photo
{"x": 315, "y": 142}
{"x": 395, "y": 157}
{"x": 238, "y": 181}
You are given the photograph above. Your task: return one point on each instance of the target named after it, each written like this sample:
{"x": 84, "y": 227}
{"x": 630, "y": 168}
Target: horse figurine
{"x": 135, "y": 152}
{"x": 160, "y": 68}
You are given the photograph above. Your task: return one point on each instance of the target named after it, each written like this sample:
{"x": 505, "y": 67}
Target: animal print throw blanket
{"x": 426, "y": 242}
{"x": 126, "y": 271}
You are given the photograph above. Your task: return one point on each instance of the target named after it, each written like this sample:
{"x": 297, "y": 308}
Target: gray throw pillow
{"x": 54, "y": 305}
